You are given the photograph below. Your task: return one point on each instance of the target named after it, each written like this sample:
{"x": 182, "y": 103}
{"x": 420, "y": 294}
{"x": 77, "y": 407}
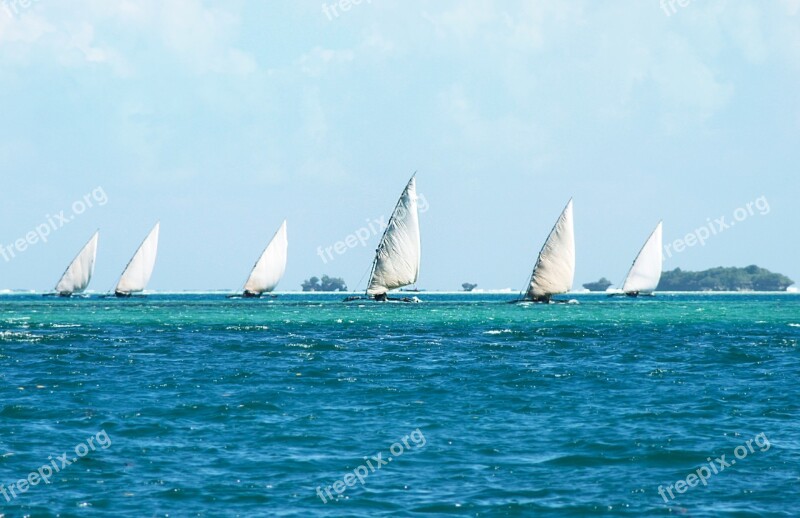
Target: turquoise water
{"x": 202, "y": 406}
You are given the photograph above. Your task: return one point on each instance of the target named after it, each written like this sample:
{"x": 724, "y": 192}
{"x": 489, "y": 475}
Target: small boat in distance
{"x": 555, "y": 267}
{"x": 645, "y": 272}
{"x": 398, "y": 255}
{"x": 79, "y": 272}
{"x": 137, "y": 274}
{"x": 270, "y": 267}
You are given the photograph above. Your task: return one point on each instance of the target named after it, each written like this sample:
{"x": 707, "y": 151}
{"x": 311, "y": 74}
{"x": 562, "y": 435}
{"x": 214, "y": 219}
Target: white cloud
{"x": 467, "y": 20}
{"x": 27, "y": 28}
{"x": 376, "y": 41}
{"x": 319, "y": 60}
{"x": 744, "y": 23}
{"x": 506, "y": 134}
{"x": 792, "y": 6}
{"x": 689, "y": 87}
{"x": 80, "y": 41}
{"x": 200, "y": 37}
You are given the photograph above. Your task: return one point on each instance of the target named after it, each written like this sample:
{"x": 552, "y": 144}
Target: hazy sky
{"x": 220, "y": 119}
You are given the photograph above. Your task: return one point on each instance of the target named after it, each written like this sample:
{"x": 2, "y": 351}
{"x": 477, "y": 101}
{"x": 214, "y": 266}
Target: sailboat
{"x": 270, "y": 267}
{"x": 397, "y": 257}
{"x": 79, "y": 272}
{"x": 645, "y": 273}
{"x": 137, "y": 274}
{"x": 555, "y": 267}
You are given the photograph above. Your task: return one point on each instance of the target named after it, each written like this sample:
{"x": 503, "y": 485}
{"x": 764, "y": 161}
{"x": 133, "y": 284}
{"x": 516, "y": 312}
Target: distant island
{"x": 600, "y": 285}
{"x": 326, "y": 284}
{"x": 468, "y": 286}
{"x": 751, "y": 278}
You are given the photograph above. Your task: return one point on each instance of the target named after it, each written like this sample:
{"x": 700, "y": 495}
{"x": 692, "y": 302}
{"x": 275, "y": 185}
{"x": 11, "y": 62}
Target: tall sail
{"x": 555, "y": 266}
{"x": 79, "y": 272}
{"x": 140, "y": 268}
{"x": 645, "y": 273}
{"x": 398, "y": 255}
{"x": 270, "y": 267}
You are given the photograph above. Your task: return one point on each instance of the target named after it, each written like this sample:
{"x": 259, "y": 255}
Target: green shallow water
{"x": 216, "y": 407}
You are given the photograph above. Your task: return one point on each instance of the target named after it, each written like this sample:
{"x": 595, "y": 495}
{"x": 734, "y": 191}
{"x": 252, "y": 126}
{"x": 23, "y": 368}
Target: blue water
{"x": 203, "y": 406}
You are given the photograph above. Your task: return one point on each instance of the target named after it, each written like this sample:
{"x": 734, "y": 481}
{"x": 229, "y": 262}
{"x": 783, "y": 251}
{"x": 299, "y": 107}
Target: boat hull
{"x": 385, "y": 299}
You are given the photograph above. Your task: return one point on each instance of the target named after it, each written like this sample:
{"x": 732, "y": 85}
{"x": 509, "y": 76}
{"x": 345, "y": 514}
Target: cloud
{"x": 744, "y": 24}
{"x": 688, "y": 86}
{"x": 80, "y": 41}
{"x": 377, "y": 42}
{"x": 513, "y": 25}
{"x": 792, "y": 6}
{"x": 26, "y": 29}
{"x": 502, "y": 135}
{"x": 199, "y": 37}
{"x": 467, "y": 20}
{"x": 320, "y": 60}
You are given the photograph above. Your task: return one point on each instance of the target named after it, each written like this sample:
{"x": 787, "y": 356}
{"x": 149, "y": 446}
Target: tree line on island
{"x": 750, "y": 278}
{"x": 324, "y": 284}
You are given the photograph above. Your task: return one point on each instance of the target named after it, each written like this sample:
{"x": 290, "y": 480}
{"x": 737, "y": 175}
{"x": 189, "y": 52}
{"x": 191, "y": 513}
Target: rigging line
{"x": 361, "y": 279}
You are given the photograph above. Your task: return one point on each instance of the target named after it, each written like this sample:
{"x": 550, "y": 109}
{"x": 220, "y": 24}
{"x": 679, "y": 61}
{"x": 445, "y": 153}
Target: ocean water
{"x": 196, "y": 405}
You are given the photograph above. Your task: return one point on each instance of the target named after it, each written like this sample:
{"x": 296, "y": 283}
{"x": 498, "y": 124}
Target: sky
{"x": 222, "y": 119}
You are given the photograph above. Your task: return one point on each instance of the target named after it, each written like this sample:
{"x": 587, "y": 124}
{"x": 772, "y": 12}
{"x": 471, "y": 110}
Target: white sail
{"x": 397, "y": 258}
{"x": 79, "y": 272}
{"x": 645, "y": 273}
{"x": 270, "y": 267}
{"x": 137, "y": 274}
{"x": 555, "y": 266}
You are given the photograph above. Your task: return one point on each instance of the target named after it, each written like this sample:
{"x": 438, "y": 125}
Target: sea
{"x": 461, "y": 405}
